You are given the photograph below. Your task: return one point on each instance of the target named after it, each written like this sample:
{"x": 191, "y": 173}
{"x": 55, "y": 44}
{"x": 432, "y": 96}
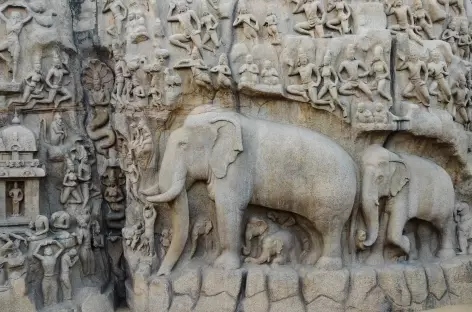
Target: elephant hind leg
{"x": 331, "y": 234}
{"x": 446, "y": 233}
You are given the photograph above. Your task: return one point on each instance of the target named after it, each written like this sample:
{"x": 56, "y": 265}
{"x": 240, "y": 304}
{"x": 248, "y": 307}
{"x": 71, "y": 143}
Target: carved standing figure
{"x": 70, "y": 185}
{"x": 342, "y": 14}
{"x": 451, "y": 35}
{"x": 248, "y": 21}
{"x": 353, "y": 81}
{"x": 84, "y": 175}
{"x": 422, "y": 19}
{"x": 437, "y": 70}
{"x": 48, "y": 261}
{"x": 223, "y": 79}
{"x": 84, "y": 239}
{"x": 416, "y": 86}
{"x": 315, "y": 15}
{"x": 114, "y": 196}
{"x": 57, "y": 130}
{"x": 210, "y": 23}
{"x": 271, "y": 23}
{"x": 463, "y": 218}
{"x": 122, "y": 75}
{"x": 461, "y": 96}
{"x": 330, "y": 82}
{"x": 464, "y": 41}
{"x": 119, "y": 12}
{"x": 55, "y": 82}
{"x": 201, "y": 227}
{"x": 185, "y": 16}
{"x": 16, "y": 194}
{"x": 68, "y": 260}
{"x": 379, "y": 69}
{"x": 405, "y": 20}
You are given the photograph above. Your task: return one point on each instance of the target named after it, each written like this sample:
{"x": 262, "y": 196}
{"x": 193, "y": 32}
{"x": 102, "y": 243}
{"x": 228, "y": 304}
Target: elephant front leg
{"x": 395, "y": 232}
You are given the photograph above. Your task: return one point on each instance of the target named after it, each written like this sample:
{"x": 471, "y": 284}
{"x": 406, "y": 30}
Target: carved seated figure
{"x": 136, "y": 27}
{"x": 364, "y": 115}
{"x": 380, "y": 114}
{"x": 41, "y": 228}
{"x": 269, "y": 74}
{"x": 463, "y": 217}
{"x": 249, "y": 72}
{"x": 61, "y": 223}
{"x": 223, "y": 71}
{"x": 404, "y": 17}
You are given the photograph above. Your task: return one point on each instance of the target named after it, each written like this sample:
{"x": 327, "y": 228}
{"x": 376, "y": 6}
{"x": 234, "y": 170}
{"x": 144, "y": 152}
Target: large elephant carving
{"x": 413, "y": 188}
{"x": 249, "y": 161}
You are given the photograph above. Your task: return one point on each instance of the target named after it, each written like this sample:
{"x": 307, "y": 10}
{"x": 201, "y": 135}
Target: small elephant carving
{"x": 463, "y": 217}
{"x": 278, "y": 248}
{"x": 202, "y": 227}
{"x": 255, "y": 227}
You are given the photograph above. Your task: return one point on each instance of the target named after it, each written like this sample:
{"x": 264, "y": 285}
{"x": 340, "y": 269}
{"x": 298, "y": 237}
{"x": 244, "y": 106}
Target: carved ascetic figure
{"x": 185, "y": 16}
{"x": 456, "y": 5}
{"x": 437, "y": 70}
{"x": 255, "y": 228}
{"x": 48, "y": 262}
{"x": 413, "y": 187}
{"x": 269, "y": 75}
{"x": 353, "y": 81}
{"x": 33, "y": 85}
{"x": 55, "y": 82}
{"x": 315, "y": 15}
{"x": 147, "y": 239}
{"x": 405, "y": 20}
{"x": 280, "y": 247}
{"x": 451, "y": 35}
{"x": 210, "y": 23}
{"x": 70, "y": 185}
{"x": 239, "y": 164}
{"x": 201, "y": 227}
{"x": 342, "y": 14}
{"x": 84, "y": 239}
{"x": 40, "y": 227}
{"x": 463, "y": 218}
{"x": 68, "y": 260}
{"x": 17, "y": 196}
{"x": 57, "y": 130}
{"x": 199, "y": 70}
{"x": 379, "y": 69}
{"x": 13, "y": 25}
{"x": 416, "y": 86}
{"x": 271, "y": 22}
{"x": 60, "y": 220}
{"x": 249, "y": 72}
{"x": 460, "y": 94}
{"x": 364, "y": 115}
{"x": 465, "y": 40}
{"x": 330, "y": 82}
{"x": 248, "y": 22}
{"x": 422, "y": 19}
{"x": 119, "y": 12}
{"x": 223, "y": 79}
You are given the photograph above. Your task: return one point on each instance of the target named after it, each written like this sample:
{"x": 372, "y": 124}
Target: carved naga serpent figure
{"x": 100, "y": 132}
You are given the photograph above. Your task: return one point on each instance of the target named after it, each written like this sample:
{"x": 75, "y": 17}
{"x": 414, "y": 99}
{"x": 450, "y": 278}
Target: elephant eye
{"x": 182, "y": 144}
{"x": 380, "y": 178}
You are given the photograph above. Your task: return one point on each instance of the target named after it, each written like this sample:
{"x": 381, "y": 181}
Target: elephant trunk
{"x": 247, "y": 244}
{"x": 370, "y": 212}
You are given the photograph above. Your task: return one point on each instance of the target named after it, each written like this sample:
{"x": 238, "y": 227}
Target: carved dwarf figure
{"x": 437, "y": 70}
{"x": 185, "y": 16}
{"x": 416, "y": 86}
{"x": 460, "y": 93}
{"x": 463, "y": 218}
{"x": 84, "y": 239}
{"x": 342, "y": 14}
{"x": 330, "y": 81}
{"x": 451, "y": 35}
{"x": 381, "y": 73}
{"x": 55, "y": 82}
{"x": 271, "y": 22}
{"x": 70, "y": 185}
{"x": 68, "y": 260}
{"x": 223, "y": 79}
{"x": 305, "y": 69}
{"x": 269, "y": 74}
{"x": 315, "y": 15}
{"x": 353, "y": 81}
{"x": 405, "y": 20}
{"x": 249, "y": 72}
{"x": 16, "y": 194}
{"x": 423, "y": 20}
{"x": 210, "y": 23}
{"x": 201, "y": 227}
{"x": 57, "y": 130}
{"x": 48, "y": 261}
{"x": 248, "y": 21}
{"x": 119, "y": 12}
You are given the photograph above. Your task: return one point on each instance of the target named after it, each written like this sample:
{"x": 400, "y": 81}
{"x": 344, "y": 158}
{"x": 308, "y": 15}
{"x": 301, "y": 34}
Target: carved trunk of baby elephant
{"x": 279, "y": 248}
{"x": 100, "y": 131}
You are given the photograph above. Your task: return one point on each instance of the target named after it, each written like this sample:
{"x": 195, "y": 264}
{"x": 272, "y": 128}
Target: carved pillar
{"x": 31, "y": 199}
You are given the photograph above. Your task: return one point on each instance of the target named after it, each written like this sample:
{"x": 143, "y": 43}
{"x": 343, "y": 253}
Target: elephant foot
{"x": 375, "y": 259}
{"x": 228, "y": 261}
{"x": 329, "y": 263}
{"x": 446, "y": 253}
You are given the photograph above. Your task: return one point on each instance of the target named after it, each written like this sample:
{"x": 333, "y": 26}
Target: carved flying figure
{"x": 210, "y": 23}
{"x": 330, "y": 80}
{"x": 463, "y": 218}
{"x": 48, "y": 262}
{"x": 352, "y": 65}
{"x": 437, "y": 70}
{"x": 34, "y": 85}
{"x": 201, "y": 228}
{"x": 405, "y": 20}
{"x": 315, "y": 17}
{"x": 223, "y": 72}
{"x": 461, "y": 97}
{"x": 422, "y": 18}
{"x": 379, "y": 69}
{"x": 55, "y": 82}
{"x": 247, "y": 21}
{"x": 271, "y": 22}
{"x": 185, "y": 16}
{"x": 342, "y": 14}
{"x": 416, "y": 86}
{"x": 119, "y": 12}
{"x": 451, "y": 35}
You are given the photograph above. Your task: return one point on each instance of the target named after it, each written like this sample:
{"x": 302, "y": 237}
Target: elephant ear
{"x": 228, "y": 144}
{"x": 400, "y": 175}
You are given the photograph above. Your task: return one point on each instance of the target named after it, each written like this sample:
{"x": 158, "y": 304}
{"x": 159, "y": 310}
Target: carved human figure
{"x": 416, "y": 86}
{"x": 364, "y": 115}
{"x": 60, "y": 220}
{"x": 119, "y": 12}
{"x": 379, "y": 69}
{"x": 456, "y": 5}
{"x": 48, "y": 262}
{"x": 330, "y": 81}
{"x": 423, "y": 20}
{"x": 84, "y": 239}
{"x": 17, "y": 196}
{"x": 10, "y": 254}
{"x": 135, "y": 89}
{"x": 201, "y": 227}
{"x": 437, "y": 70}
{"x": 70, "y": 185}
{"x": 210, "y": 23}
{"x": 315, "y": 15}
{"x": 269, "y": 74}
{"x": 55, "y": 82}
{"x": 249, "y": 72}
{"x": 223, "y": 79}
{"x": 248, "y": 22}
{"x": 280, "y": 247}
{"x": 57, "y": 130}
{"x": 185, "y": 16}
{"x": 271, "y": 22}
{"x": 40, "y": 227}
{"x": 405, "y": 21}
{"x": 114, "y": 197}
{"x": 199, "y": 70}
{"x": 132, "y": 235}
{"x": 13, "y": 26}
{"x": 136, "y": 26}
{"x": 451, "y": 35}
{"x": 342, "y": 14}
{"x": 165, "y": 240}
{"x": 147, "y": 238}
{"x": 352, "y": 65}
{"x": 463, "y": 218}
{"x": 380, "y": 114}
{"x": 156, "y": 69}
{"x": 461, "y": 97}
{"x": 122, "y": 75}
{"x": 84, "y": 175}
{"x": 464, "y": 41}
{"x": 132, "y": 174}
{"x": 33, "y": 85}
{"x": 68, "y": 260}
{"x": 255, "y": 228}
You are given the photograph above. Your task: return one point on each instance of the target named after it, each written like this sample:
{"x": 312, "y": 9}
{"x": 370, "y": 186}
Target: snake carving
{"x": 100, "y": 131}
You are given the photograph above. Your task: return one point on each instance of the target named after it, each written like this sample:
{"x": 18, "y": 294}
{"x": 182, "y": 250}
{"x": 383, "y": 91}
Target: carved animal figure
{"x": 278, "y": 248}
{"x": 100, "y": 132}
{"x": 255, "y": 227}
{"x": 202, "y": 227}
{"x": 239, "y": 157}
{"x": 414, "y": 188}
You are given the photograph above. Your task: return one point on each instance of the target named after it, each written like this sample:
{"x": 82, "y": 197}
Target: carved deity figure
{"x": 147, "y": 239}
{"x": 248, "y": 22}
{"x": 70, "y": 185}
{"x": 48, "y": 262}
{"x": 269, "y": 74}
{"x": 84, "y": 239}
{"x": 210, "y": 23}
{"x": 451, "y": 35}
{"x": 437, "y": 70}
{"x": 136, "y": 29}
{"x": 249, "y": 72}
{"x": 364, "y": 115}
{"x": 223, "y": 79}
{"x": 405, "y": 20}
{"x": 342, "y": 14}
{"x": 315, "y": 15}
{"x": 330, "y": 81}
{"x": 97, "y": 79}
{"x": 201, "y": 227}
{"x": 352, "y": 65}
{"x": 134, "y": 90}
{"x": 379, "y": 69}
{"x": 460, "y": 93}
{"x": 463, "y": 218}
{"x": 17, "y": 196}
{"x": 464, "y": 41}
{"x": 55, "y": 82}
{"x": 185, "y": 16}
{"x": 13, "y": 25}
{"x": 33, "y": 85}
{"x": 271, "y": 22}
{"x": 423, "y": 20}
{"x": 199, "y": 70}
{"x": 416, "y": 86}
{"x": 57, "y": 130}
{"x": 68, "y": 260}
{"x": 119, "y": 12}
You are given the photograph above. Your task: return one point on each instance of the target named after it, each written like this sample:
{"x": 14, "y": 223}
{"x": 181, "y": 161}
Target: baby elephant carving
{"x": 278, "y": 248}
{"x": 202, "y": 227}
{"x": 255, "y": 227}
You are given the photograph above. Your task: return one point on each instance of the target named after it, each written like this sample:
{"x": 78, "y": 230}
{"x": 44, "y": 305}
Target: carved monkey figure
{"x": 202, "y": 227}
